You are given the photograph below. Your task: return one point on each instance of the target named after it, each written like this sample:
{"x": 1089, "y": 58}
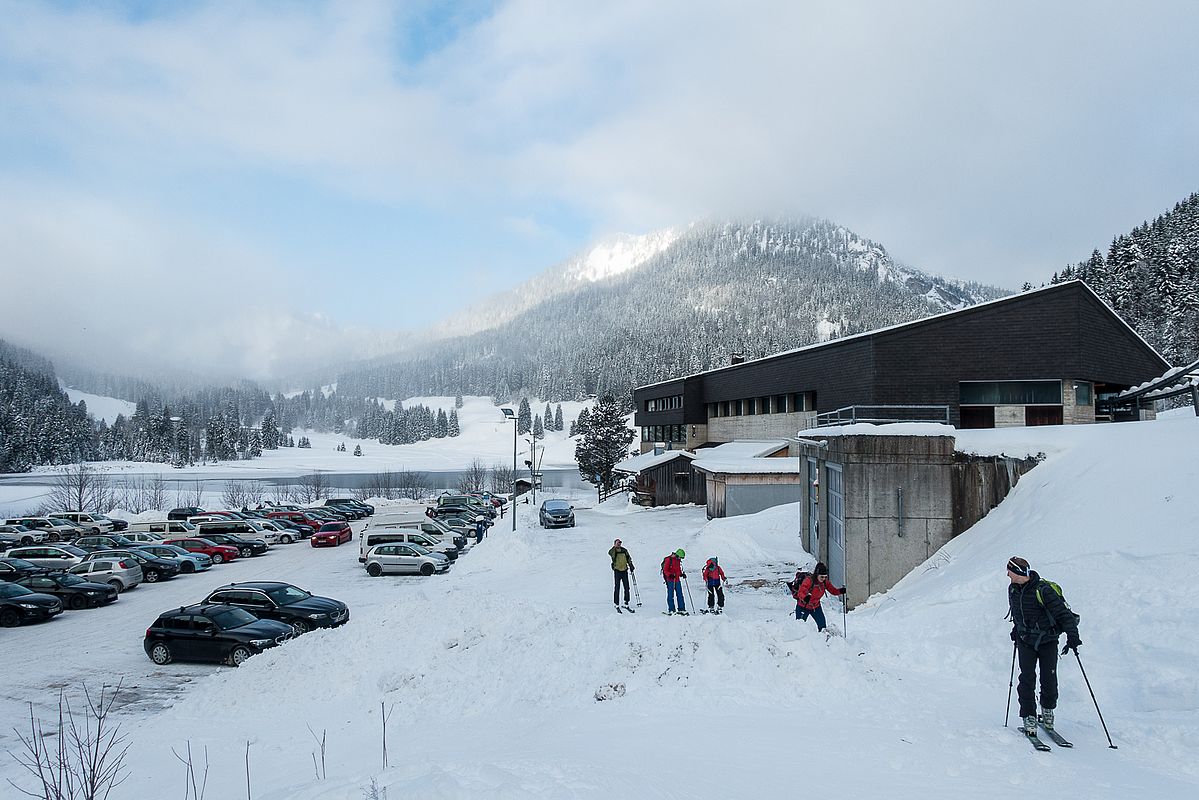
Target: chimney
{"x": 736, "y": 358}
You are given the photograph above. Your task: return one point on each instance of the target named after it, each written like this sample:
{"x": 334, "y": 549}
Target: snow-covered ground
{"x": 513, "y": 677}
{"x": 101, "y": 407}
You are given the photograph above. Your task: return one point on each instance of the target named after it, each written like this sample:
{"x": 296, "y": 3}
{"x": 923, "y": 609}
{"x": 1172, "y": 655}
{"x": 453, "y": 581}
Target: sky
{"x": 257, "y": 189}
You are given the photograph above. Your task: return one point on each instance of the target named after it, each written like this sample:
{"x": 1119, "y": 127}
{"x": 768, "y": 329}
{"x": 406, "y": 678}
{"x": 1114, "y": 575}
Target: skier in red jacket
{"x": 672, "y": 574}
{"x": 713, "y": 576}
{"x": 808, "y": 593}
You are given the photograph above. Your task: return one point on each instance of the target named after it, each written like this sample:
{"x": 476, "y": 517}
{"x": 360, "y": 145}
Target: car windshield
{"x": 12, "y": 590}
{"x": 286, "y": 595}
{"x": 557, "y": 505}
{"x": 232, "y": 618}
{"x": 18, "y": 563}
{"x": 170, "y": 548}
{"x": 187, "y": 526}
{"x": 70, "y": 580}
{"x": 331, "y": 526}
{"x": 420, "y": 550}
{"x": 75, "y": 551}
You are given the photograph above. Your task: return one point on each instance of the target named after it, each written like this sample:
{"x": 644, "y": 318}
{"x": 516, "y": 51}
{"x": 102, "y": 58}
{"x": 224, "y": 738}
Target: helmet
{"x": 713, "y": 560}
{"x": 680, "y": 553}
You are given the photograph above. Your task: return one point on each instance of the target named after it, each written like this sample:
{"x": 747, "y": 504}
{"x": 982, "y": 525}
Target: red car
{"x": 332, "y": 533}
{"x": 296, "y": 518}
{"x": 217, "y": 552}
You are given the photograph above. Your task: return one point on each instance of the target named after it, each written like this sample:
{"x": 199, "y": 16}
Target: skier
{"x": 808, "y": 591}
{"x": 1039, "y": 616}
{"x": 713, "y": 575}
{"x": 672, "y": 574}
{"x": 622, "y": 565}
{"x": 480, "y": 528}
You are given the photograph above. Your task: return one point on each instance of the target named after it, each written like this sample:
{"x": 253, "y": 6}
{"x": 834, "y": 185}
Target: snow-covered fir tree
{"x": 524, "y": 417}
{"x": 454, "y": 429}
{"x": 605, "y": 443}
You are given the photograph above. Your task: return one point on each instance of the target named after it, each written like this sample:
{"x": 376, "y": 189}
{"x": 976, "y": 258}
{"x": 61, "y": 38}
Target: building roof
{"x": 1012, "y": 298}
{"x": 750, "y": 466}
{"x": 743, "y": 448}
{"x": 646, "y": 460}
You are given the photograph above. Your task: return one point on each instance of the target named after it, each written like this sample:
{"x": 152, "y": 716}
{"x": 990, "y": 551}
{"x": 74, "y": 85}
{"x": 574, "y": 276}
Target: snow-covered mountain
{"x": 633, "y": 309}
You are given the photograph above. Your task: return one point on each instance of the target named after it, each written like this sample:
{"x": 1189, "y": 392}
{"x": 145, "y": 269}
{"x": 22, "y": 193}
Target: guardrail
{"x": 881, "y": 415}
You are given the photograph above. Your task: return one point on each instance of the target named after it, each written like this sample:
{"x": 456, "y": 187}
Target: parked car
{"x": 291, "y": 531}
{"x": 63, "y": 530}
{"x": 185, "y": 512}
{"x": 89, "y": 521}
{"x": 205, "y": 632}
{"x": 163, "y": 528}
{"x": 238, "y": 528}
{"x": 557, "y": 514}
{"x": 188, "y": 562}
{"x": 138, "y": 537}
{"x": 219, "y": 553}
{"x": 109, "y": 542}
{"x": 332, "y": 533}
{"x": 118, "y": 524}
{"x": 154, "y": 568}
{"x": 284, "y": 603}
{"x": 403, "y": 559}
{"x": 51, "y": 556}
{"x": 25, "y": 536}
{"x": 245, "y": 547}
{"x": 37, "y": 525}
{"x": 74, "y": 591}
{"x": 14, "y": 536}
{"x": 345, "y": 506}
{"x": 377, "y": 536}
{"x": 19, "y": 605}
{"x": 13, "y": 568}
{"x": 122, "y": 573}
{"x": 468, "y": 501}
{"x": 347, "y": 501}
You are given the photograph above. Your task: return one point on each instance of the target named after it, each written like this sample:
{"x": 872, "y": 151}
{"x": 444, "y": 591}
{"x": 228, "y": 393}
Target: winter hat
{"x": 680, "y": 553}
{"x": 821, "y": 569}
{"x": 713, "y": 560}
{"x": 617, "y": 543}
{"x": 1018, "y": 565}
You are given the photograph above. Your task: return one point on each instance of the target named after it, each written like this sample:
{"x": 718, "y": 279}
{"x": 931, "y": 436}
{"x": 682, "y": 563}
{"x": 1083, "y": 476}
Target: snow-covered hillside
{"x": 513, "y": 677}
{"x": 100, "y": 407}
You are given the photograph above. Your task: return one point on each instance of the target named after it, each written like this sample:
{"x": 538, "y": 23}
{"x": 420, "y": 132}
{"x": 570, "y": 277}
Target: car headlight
{"x": 317, "y": 616}
{"x": 261, "y": 643}
{"x": 30, "y": 606}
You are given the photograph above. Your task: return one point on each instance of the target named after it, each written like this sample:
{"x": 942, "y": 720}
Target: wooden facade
{"x": 672, "y": 482}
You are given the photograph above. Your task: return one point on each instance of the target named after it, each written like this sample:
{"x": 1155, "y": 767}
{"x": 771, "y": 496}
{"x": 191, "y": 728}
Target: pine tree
{"x": 254, "y": 445}
{"x": 357, "y": 449}
{"x": 558, "y": 418}
{"x": 524, "y": 417}
{"x": 538, "y": 428}
{"x": 457, "y": 401}
{"x": 579, "y": 427}
{"x": 547, "y": 418}
{"x": 270, "y": 431}
{"x": 454, "y": 429}
{"x": 605, "y": 443}
{"x": 442, "y": 428}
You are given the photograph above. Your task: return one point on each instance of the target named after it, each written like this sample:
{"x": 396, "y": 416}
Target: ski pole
{"x": 1096, "y": 702}
{"x": 636, "y": 593}
{"x": 844, "y": 612}
{"x": 1011, "y": 678}
{"x": 688, "y": 585}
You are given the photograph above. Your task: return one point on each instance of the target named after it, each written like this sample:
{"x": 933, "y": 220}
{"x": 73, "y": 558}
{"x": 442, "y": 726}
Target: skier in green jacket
{"x": 622, "y": 565}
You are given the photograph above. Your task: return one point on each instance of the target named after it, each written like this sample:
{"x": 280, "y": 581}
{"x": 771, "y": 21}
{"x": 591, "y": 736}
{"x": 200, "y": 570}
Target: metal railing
{"x": 881, "y": 415}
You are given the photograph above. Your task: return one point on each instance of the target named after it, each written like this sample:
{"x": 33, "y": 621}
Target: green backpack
{"x": 1057, "y": 589}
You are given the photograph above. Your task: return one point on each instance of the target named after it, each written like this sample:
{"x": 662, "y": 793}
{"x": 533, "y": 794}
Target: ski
{"x": 626, "y": 608}
{"x": 1034, "y": 741}
{"x": 1057, "y": 738}
{"x": 618, "y": 611}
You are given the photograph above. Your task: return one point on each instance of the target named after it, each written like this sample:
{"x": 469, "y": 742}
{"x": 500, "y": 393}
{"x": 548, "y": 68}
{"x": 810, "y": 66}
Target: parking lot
{"x": 104, "y": 645}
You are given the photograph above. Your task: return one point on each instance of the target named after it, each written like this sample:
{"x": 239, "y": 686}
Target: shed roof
{"x": 744, "y": 448}
{"x": 646, "y": 460}
{"x": 750, "y": 466}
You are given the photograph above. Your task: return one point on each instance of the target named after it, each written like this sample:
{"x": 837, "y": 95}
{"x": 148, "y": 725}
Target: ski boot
{"x": 1029, "y": 727}
{"x": 1047, "y": 718}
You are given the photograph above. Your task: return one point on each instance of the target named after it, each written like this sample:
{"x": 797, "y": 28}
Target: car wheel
{"x": 160, "y": 654}
{"x": 286, "y": 539}
{"x": 238, "y": 655}
{"x": 426, "y": 569}
{"x": 53, "y": 537}
{"x": 300, "y": 627}
{"x": 77, "y": 602}
{"x": 151, "y": 576}
{"x": 116, "y": 584}
{"x": 374, "y": 570}
{"x": 9, "y": 618}
{"x": 187, "y": 568}
{"x": 26, "y": 541}
{"x": 217, "y": 558}
{"x": 246, "y": 552}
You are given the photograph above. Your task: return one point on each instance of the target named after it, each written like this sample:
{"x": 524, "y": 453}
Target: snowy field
{"x": 512, "y": 676}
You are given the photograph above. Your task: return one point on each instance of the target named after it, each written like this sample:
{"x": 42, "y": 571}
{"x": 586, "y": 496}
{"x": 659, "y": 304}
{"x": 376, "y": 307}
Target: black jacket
{"x": 1038, "y": 622}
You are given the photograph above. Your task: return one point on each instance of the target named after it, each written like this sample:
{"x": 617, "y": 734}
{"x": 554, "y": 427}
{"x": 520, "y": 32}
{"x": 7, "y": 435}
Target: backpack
{"x": 670, "y": 556}
{"x": 1057, "y": 589}
{"x": 793, "y": 586}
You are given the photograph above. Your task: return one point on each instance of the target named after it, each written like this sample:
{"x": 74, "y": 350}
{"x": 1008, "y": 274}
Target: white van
{"x": 392, "y": 518}
{"x": 174, "y": 527}
{"x": 96, "y": 523}
{"x": 428, "y": 526}
{"x": 412, "y": 535}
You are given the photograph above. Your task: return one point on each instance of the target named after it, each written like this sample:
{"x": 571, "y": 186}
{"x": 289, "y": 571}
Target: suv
{"x": 405, "y": 559}
{"x": 557, "y": 514}
{"x": 39, "y": 528}
{"x": 206, "y": 632}
{"x": 94, "y": 523}
{"x": 185, "y": 512}
{"x": 17, "y": 536}
{"x": 238, "y": 528}
{"x": 51, "y": 556}
{"x": 284, "y": 603}
{"x": 121, "y": 573}
{"x": 18, "y": 604}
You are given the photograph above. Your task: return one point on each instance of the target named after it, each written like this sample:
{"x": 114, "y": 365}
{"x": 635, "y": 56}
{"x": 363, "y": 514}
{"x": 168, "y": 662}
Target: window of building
{"x": 675, "y": 434}
{"x": 1015, "y": 393}
{"x": 1082, "y": 394}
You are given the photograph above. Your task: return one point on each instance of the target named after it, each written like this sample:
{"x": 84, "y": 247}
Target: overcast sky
{"x": 243, "y": 188}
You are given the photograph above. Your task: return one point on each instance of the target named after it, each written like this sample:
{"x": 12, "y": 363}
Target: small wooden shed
{"x": 664, "y": 479}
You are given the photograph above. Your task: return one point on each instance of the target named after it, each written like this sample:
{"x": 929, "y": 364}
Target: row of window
{"x": 664, "y": 403}
{"x": 664, "y": 433}
{"x": 771, "y": 404}
{"x": 1021, "y": 393}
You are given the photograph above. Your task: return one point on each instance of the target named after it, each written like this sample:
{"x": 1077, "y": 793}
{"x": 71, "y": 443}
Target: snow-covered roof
{"x": 888, "y": 429}
{"x": 751, "y": 466}
{"x": 743, "y": 448}
{"x": 650, "y": 459}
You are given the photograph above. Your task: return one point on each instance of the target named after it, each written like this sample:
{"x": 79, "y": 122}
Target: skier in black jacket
{"x": 1039, "y": 616}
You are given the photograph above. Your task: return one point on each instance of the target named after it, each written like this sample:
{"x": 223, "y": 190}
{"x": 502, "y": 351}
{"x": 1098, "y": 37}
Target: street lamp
{"x": 510, "y": 416}
{"x": 534, "y": 465}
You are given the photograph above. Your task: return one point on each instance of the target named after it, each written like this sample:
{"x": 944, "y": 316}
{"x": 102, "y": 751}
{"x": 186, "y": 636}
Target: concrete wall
{"x": 1009, "y": 416}
{"x": 759, "y": 426}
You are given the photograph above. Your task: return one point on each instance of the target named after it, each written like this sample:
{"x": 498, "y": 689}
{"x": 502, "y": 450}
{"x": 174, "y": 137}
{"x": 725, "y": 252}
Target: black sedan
{"x": 206, "y": 632}
{"x": 73, "y": 591}
{"x": 111, "y": 541}
{"x": 18, "y": 605}
{"x": 245, "y": 547}
{"x": 284, "y": 603}
{"x": 13, "y": 568}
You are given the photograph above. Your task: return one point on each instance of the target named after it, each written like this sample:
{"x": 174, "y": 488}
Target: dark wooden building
{"x": 1046, "y": 356}
{"x": 664, "y": 479}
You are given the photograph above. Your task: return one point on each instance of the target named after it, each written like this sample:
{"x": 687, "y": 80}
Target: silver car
{"x": 51, "y": 556}
{"x": 398, "y": 558}
{"x": 188, "y": 562}
{"x": 19, "y": 536}
{"x": 123, "y": 573}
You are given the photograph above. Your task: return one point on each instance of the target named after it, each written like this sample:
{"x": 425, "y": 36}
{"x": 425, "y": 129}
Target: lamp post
{"x": 534, "y": 465}
{"x": 510, "y": 416}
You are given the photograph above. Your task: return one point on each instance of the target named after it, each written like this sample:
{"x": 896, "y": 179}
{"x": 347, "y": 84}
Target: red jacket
{"x": 810, "y": 591}
{"x": 713, "y": 572}
{"x": 672, "y": 567}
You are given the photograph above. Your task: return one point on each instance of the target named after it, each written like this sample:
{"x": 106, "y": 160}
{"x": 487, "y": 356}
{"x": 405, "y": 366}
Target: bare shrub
{"x": 80, "y": 755}
{"x": 411, "y": 484}
{"x": 234, "y": 495}
{"x": 500, "y": 479}
{"x": 473, "y": 478}
{"x": 80, "y": 487}
{"x": 312, "y": 487}
{"x": 283, "y": 493}
{"x": 190, "y": 496}
{"x": 141, "y": 493}
{"x": 192, "y": 790}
